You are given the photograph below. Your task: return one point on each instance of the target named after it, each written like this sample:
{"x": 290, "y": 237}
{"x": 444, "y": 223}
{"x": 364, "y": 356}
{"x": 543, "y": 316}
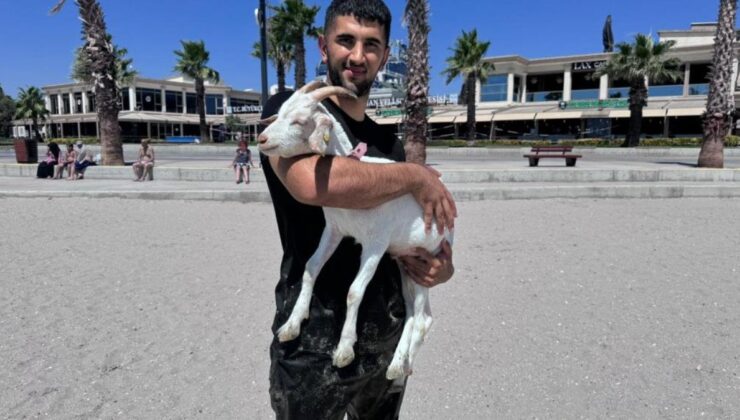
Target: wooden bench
{"x": 546, "y": 152}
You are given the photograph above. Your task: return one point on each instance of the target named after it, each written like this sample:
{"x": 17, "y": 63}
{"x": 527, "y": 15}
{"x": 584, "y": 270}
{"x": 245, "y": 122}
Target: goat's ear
{"x": 268, "y": 121}
{"x": 321, "y": 135}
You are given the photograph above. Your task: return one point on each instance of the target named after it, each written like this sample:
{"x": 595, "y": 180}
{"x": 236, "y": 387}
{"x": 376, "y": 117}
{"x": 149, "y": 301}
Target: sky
{"x": 37, "y": 49}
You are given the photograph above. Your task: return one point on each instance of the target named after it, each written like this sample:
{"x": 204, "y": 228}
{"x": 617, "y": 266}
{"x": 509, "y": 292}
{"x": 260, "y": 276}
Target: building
{"x": 556, "y": 97}
{"x": 150, "y": 108}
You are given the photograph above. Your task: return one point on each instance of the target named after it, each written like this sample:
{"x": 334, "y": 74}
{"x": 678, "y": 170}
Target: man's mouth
{"x": 356, "y": 71}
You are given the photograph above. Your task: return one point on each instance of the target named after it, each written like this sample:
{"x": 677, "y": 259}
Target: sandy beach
{"x": 559, "y": 309}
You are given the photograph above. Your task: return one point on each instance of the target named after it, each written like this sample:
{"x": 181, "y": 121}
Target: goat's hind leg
{"x": 330, "y": 239}
{"x": 344, "y": 354}
{"x": 422, "y": 321}
{"x": 399, "y": 365}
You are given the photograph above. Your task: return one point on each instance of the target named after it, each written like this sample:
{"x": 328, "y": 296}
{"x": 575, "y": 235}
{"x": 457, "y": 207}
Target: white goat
{"x": 303, "y": 126}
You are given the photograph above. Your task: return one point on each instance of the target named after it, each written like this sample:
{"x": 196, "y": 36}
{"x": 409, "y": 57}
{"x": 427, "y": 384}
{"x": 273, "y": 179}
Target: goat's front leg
{"x": 330, "y": 239}
{"x": 344, "y": 354}
{"x": 422, "y": 321}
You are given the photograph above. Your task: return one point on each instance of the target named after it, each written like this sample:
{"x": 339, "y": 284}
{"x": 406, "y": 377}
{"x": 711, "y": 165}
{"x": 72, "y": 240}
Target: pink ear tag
{"x": 359, "y": 151}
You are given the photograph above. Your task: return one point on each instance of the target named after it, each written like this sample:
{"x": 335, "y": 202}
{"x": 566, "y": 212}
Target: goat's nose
{"x": 262, "y": 139}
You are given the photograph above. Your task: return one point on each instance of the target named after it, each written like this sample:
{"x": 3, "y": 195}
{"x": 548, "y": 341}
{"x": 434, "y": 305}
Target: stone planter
{"x": 26, "y": 150}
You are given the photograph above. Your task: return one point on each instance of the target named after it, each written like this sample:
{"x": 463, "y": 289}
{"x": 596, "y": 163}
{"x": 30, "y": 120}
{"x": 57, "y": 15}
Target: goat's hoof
{"x": 395, "y": 371}
{"x": 343, "y": 356}
{"x": 289, "y": 331}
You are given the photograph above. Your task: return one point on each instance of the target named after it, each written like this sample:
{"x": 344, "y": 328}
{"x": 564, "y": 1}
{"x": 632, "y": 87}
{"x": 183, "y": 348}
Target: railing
{"x": 665, "y": 90}
{"x": 619, "y": 92}
{"x": 699, "y": 89}
{"x": 584, "y": 94}
{"x": 554, "y": 95}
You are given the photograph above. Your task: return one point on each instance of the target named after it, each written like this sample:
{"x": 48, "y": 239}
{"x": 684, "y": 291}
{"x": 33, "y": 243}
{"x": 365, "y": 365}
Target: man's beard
{"x": 335, "y": 77}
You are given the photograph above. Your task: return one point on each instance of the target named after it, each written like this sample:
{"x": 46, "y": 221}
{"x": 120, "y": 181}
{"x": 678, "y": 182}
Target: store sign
{"x": 582, "y": 66}
{"x": 397, "y": 102}
{"x": 607, "y": 103}
{"x": 395, "y": 112}
{"x": 245, "y": 109}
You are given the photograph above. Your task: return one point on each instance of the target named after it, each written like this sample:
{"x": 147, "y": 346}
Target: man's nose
{"x": 357, "y": 55}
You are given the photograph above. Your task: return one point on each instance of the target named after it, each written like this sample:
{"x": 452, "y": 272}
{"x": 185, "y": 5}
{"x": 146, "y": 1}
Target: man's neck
{"x": 355, "y": 108}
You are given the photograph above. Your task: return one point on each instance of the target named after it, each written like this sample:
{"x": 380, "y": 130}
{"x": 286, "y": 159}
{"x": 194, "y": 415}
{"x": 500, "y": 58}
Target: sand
{"x": 559, "y": 309}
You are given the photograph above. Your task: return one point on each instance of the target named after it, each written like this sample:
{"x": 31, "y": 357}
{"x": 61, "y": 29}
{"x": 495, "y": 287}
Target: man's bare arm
{"x": 347, "y": 183}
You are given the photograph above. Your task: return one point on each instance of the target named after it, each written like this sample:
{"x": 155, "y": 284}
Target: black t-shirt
{"x": 382, "y": 310}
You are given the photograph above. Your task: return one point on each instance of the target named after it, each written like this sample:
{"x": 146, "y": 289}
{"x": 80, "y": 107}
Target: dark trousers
{"x": 305, "y": 385}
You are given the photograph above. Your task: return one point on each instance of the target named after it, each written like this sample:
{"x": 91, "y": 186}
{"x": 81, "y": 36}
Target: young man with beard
{"x": 303, "y": 382}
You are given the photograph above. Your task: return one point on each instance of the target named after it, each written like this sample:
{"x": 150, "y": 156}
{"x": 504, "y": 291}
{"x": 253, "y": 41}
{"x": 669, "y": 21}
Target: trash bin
{"x": 26, "y": 150}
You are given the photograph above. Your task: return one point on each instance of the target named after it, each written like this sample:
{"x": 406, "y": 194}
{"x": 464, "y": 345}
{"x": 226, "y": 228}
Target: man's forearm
{"x": 345, "y": 183}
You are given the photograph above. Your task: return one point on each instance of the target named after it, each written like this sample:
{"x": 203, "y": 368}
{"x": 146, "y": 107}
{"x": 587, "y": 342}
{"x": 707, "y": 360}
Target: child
{"x": 242, "y": 162}
{"x": 67, "y": 161}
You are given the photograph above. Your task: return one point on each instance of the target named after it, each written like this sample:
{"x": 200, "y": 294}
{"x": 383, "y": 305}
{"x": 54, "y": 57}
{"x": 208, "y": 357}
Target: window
{"x": 125, "y": 100}
{"x": 148, "y": 99}
{"x": 699, "y": 79}
{"x": 65, "y": 104}
{"x": 214, "y": 105}
{"x": 494, "y": 89}
{"x": 90, "y": 102}
{"x": 173, "y": 100}
{"x": 54, "y": 99}
{"x": 77, "y": 102}
{"x": 192, "y": 100}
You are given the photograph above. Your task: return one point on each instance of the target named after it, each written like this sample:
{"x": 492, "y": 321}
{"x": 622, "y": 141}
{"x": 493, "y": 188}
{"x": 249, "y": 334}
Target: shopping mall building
{"x": 150, "y": 108}
{"x": 557, "y": 97}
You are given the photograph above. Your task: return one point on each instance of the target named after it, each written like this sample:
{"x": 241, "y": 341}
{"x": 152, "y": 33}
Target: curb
{"x": 467, "y": 193}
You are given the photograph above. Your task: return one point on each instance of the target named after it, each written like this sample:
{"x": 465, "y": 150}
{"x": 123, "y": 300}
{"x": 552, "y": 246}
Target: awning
{"x": 559, "y": 115}
{"x": 389, "y": 120}
{"x": 685, "y": 112}
{"x": 514, "y": 117}
{"x": 442, "y": 118}
{"x": 646, "y": 113}
{"x": 484, "y": 118}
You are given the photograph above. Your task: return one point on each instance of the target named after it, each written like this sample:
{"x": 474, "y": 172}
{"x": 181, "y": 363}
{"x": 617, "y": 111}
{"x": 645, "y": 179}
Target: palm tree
{"x": 31, "y": 106}
{"x": 417, "y": 85}
{"x": 101, "y": 55}
{"x": 467, "y": 61}
{"x": 295, "y": 20}
{"x": 193, "y": 63}
{"x": 7, "y": 112}
{"x": 280, "y": 52}
{"x": 720, "y": 101}
{"x": 82, "y": 69}
{"x": 637, "y": 63}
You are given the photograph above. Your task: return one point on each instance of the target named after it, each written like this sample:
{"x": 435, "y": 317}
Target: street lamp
{"x": 261, "y": 22}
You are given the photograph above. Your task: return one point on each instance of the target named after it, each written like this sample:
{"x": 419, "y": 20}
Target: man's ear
{"x": 321, "y": 134}
{"x": 322, "y": 48}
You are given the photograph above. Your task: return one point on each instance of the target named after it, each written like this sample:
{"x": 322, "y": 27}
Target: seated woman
{"x": 83, "y": 159}
{"x": 67, "y": 161}
{"x": 242, "y": 162}
{"x": 145, "y": 162}
{"x": 46, "y": 167}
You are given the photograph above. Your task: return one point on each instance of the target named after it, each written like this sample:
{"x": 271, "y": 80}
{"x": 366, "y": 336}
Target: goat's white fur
{"x": 303, "y": 125}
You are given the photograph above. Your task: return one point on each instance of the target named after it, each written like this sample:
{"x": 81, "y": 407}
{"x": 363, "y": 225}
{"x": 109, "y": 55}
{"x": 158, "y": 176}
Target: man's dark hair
{"x": 371, "y": 10}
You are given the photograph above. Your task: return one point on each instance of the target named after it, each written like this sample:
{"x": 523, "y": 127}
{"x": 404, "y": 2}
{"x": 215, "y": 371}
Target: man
{"x": 303, "y": 382}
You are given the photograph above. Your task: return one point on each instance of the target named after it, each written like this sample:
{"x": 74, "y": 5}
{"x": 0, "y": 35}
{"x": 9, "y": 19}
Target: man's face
{"x": 354, "y": 52}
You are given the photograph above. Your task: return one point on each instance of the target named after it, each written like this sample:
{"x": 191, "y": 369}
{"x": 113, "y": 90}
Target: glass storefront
{"x": 77, "y": 97}
{"x": 214, "y": 105}
{"x": 91, "y": 102}
{"x": 494, "y": 90}
{"x": 148, "y": 100}
{"x": 54, "y": 99}
{"x": 65, "y": 104}
{"x": 545, "y": 87}
{"x": 584, "y": 86}
{"x": 191, "y": 100}
{"x": 173, "y": 101}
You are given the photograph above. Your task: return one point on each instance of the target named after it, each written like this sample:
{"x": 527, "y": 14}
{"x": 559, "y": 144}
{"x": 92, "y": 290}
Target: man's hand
{"x": 436, "y": 201}
{"x": 429, "y": 270}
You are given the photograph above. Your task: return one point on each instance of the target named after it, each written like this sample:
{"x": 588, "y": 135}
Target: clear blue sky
{"x": 37, "y": 48}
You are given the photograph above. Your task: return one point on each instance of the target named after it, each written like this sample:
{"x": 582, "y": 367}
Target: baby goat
{"x": 303, "y": 126}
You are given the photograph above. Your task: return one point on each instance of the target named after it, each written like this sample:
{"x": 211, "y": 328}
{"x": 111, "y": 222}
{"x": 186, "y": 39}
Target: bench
{"x": 182, "y": 139}
{"x": 546, "y": 152}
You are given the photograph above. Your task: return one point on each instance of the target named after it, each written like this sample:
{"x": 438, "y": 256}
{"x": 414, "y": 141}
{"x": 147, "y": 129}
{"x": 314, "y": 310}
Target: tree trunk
{"x": 281, "y": 76}
{"x": 470, "y": 83}
{"x": 300, "y": 63}
{"x": 720, "y": 103}
{"x": 637, "y": 100}
{"x": 417, "y": 89}
{"x": 103, "y": 69}
{"x": 200, "y": 91}
{"x": 35, "y": 126}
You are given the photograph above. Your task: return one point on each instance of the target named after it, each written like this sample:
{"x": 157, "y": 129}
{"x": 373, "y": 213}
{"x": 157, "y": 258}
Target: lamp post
{"x": 262, "y": 23}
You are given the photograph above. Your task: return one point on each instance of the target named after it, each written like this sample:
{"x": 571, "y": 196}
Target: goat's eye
{"x": 299, "y": 121}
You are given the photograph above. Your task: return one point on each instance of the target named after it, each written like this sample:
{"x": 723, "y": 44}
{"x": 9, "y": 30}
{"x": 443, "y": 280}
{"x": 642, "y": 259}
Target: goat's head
{"x": 301, "y": 126}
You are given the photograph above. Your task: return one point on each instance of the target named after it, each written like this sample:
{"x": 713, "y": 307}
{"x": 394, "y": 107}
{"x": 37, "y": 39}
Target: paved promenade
{"x": 202, "y": 173}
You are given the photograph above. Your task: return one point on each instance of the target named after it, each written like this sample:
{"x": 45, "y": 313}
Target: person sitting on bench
{"x": 84, "y": 159}
{"x": 144, "y": 165}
